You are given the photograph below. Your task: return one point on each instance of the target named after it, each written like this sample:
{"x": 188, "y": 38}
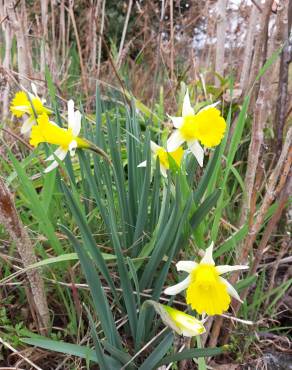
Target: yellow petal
{"x": 210, "y": 127}
{"x": 187, "y": 129}
{"x": 206, "y": 292}
{"x": 38, "y": 107}
{"x": 46, "y": 132}
{"x": 163, "y": 156}
{"x": 177, "y": 155}
{"x": 20, "y": 104}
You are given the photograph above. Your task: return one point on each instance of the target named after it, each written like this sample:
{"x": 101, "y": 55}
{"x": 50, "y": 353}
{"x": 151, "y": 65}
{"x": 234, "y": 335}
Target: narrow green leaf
{"x": 87, "y": 237}
{"x": 98, "y": 348}
{"x": 36, "y": 206}
{"x": 203, "y": 209}
{"x": 235, "y": 140}
{"x": 121, "y": 356}
{"x": 191, "y": 353}
{"x": 231, "y": 242}
{"x": 100, "y": 301}
{"x": 48, "y": 190}
{"x": 69, "y": 349}
{"x": 204, "y": 181}
{"x": 158, "y": 353}
{"x": 126, "y": 285}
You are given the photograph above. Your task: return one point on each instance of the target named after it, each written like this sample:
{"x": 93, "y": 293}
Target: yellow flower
{"x": 67, "y": 139}
{"x": 22, "y": 105}
{"x": 162, "y": 154}
{"x": 178, "y": 321}
{"x": 207, "y": 292}
{"x": 207, "y": 126}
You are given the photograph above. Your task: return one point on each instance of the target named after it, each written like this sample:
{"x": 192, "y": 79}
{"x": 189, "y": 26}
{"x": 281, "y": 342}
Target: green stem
{"x": 201, "y": 360}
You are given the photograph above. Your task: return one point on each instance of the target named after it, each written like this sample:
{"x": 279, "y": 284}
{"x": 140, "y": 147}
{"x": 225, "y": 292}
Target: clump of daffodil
{"x": 67, "y": 139}
{"x": 162, "y": 154}
{"x": 178, "y": 321}
{"x": 206, "y": 290}
{"x": 207, "y": 127}
{"x": 30, "y": 105}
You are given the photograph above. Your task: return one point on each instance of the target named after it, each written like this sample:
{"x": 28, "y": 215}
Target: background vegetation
{"x": 109, "y": 56}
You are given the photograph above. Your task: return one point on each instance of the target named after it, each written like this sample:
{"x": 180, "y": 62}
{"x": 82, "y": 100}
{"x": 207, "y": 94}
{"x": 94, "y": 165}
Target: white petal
{"x": 163, "y": 170}
{"x": 208, "y": 257}
{"x": 186, "y": 266}
{"x": 192, "y": 328}
{"x": 60, "y": 153}
{"x": 175, "y": 140}
{"x": 175, "y": 289}
{"x": 71, "y": 115}
{"x": 51, "y": 167}
{"x": 76, "y": 124}
{"x": 23, "y": 108}
{"x": 154, "y": 147}
{"x": 54, "y": 123}
{"x": 27, "y": 125}
{"x": 197, "y": 150}
{"x": 187, "y": 110}
{"x": 72, "y": 147}
{"x": 231, "y": 290}
{"x": 209, "y": 106}
{"x": 177, "y": 121}
{"x": 226, "y": 268}
{"x": 34, "y": 89}
{"x": 142, "y": 164}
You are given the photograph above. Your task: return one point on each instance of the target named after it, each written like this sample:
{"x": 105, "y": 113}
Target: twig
{"x": 271, "y": 193}
{"x": 143, "y": 348}
{"x": 19, "y": 138}
{"x": 9, "y": 346}
{"x": 18, "y": 234}
{"x": 100, "y": 37}
{"x": 260, "y": 44}
{"x": 171, "y": 41}
{"x": 124, "y": 33}
{"x": 267, "y": 233}
{"x": 215, "y": 331}
{"x": 83, "y": 72}
{"x": 282, "y": 101}
{"x": 248, "y": 50}
{"x": 220, "y": 34}
{"x": 257, "y": 5}
{"x": 7, "y": 16}
{"x": 257, "y": 138}
{"x": 284, "y": 248}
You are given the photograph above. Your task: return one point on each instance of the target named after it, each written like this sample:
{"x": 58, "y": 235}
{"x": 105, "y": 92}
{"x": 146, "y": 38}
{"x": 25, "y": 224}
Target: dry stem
{"x": 12, "y": 223}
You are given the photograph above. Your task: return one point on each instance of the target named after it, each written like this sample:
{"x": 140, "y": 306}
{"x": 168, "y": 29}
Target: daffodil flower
{"x": 162, "y": 154}
{"x": 206, "y": 290}
{"x": 67, "y": 139}
{"x": 32, "y": 106}
{"x": 178, "y": 321}
{"x": 207, "y": 126}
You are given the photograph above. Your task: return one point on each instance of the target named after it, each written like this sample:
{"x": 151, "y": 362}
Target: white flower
{"x": 66, "y": 139}
{"x": 206, "y": 126}
{"x": 162, "y": 154}
{"x": 207, "y": 292}
{"x": 178, "y": 321}
{"x": 32, "y": 107}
